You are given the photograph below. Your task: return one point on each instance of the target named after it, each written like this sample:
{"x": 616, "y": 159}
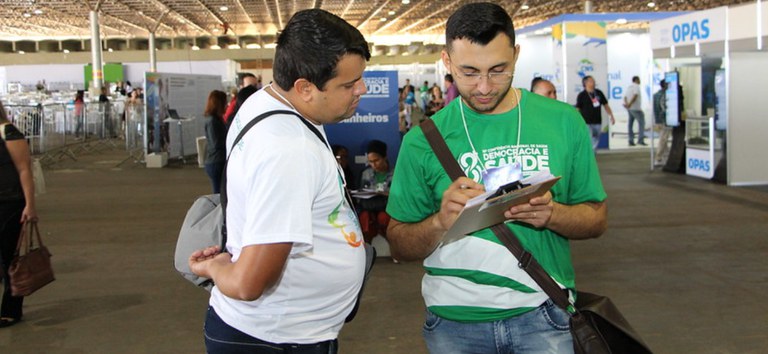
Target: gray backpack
{"x": 204, "y": 224}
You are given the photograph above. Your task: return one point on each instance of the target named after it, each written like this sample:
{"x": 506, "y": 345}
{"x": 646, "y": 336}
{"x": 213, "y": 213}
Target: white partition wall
{"x": 748, "y": 119}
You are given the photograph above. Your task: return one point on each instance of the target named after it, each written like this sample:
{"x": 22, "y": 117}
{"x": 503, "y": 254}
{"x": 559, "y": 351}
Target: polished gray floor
{"x": 685, "y": 259}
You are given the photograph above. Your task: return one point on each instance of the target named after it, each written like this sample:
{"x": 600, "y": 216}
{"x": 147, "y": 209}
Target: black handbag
{"x": 596, "y": 324}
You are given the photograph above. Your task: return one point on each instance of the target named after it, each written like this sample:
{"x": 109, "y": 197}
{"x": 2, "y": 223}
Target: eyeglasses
{"x": 497, "y": 78}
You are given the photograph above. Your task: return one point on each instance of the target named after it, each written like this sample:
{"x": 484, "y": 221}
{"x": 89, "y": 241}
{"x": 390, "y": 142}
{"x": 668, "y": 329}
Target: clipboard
{"x": 486, "y": 213}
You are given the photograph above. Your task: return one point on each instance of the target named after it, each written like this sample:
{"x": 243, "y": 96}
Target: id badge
{"x": 498, "y": 176}
{"x": 595, "y": 102}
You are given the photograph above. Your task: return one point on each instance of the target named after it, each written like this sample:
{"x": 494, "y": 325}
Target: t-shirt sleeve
{"x": 410, "y": 196}
{"x": 12, "y": 133}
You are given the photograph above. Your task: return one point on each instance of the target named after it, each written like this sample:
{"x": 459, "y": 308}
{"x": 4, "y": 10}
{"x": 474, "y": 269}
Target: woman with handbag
{"x": 17, "y": 206}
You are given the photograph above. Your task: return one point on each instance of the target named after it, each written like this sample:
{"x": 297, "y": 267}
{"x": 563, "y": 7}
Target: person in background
{"x": 240, "y": 98}
{"x": 633, "y": 103}
{"x": 376, "y": 177}
{"x": 478, "y": 299}
{"x": 589, "y": 103}
{"x": 436, "y": 102}
{"x": 543, "y": 87}
{"x": 17, "y": 206}
{"x": 424, "y": 96}
{"x": 247, "y": 80}
{"x": 451, "y": 91}
{"x": 660, "y": 118}
{"x": 408, "y": 84}
{"x": 291, "y": 274}
{"x": 342, "y": 158}
{"x": 409, "y": 101}
{"x": 215, "y": 136}
{"x": 79, "y": 112}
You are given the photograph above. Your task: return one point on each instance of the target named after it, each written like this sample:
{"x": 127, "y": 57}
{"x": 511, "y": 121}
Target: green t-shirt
{"x": 477, "y": 278}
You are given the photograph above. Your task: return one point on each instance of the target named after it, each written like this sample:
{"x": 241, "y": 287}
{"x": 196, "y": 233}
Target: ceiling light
{"x": 406, "y": 2}
{"x": 66, "y": 51}
{"x": 26, "y": 14}
{"x": 621, "y": 21}
{"x": 194, "y": 47}
{"x": 224, "y": 8}
{"x": 22, "y": 52}
{"x": 525, "y": 7}
{"x": 215, "y": 47}
{"x": 38, "y": 12}
{"x": 270, "y": 45}
{"x": 383, "y": 19}
{"x": 651, "y": 4}
{"x": 233, "y": 46}
{"x": 252, "y": 46}
{"x": 110, "y": 50}
{"x": 215, "y": 30}
{"x": 391, "y": 12}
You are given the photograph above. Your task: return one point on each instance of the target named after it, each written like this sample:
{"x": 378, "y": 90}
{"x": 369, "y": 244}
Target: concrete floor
{"x": 685, "y": 259}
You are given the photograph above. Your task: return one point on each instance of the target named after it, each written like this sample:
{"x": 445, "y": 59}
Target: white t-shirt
{"x": 632, "y": 90}
{"x": 283, "y": 185}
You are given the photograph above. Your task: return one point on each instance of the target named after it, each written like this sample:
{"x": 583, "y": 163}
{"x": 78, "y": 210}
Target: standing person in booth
{"x": 378, "y": 178}
{"x": 478, "y": 299}
{"x": 295, "y": 257}
{"x": 589, "y": 103}
{"x": 247, "y": 80}
{"x": 17, "y": 206}
{"x": 215, "y": 136}
{"x": 633, "y": 103}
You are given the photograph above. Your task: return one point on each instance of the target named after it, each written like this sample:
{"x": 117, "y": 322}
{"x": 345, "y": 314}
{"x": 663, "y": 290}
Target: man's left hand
{"x": 537, "y": 212}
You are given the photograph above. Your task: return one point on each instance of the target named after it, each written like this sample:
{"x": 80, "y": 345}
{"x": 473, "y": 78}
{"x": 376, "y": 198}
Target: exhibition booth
{"x": 718, "y": 58}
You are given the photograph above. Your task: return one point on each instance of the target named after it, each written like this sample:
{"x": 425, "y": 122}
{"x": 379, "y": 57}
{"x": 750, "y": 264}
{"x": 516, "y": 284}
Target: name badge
{"x": 498, "y": 176}
{"x": 595, "y": 102}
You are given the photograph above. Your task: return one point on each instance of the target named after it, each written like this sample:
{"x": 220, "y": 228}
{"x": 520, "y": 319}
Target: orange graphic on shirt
{"x": 350, "y": 237}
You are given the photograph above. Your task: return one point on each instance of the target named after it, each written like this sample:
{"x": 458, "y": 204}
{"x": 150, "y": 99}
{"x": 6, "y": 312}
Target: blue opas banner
{"x": 376, "y": 118}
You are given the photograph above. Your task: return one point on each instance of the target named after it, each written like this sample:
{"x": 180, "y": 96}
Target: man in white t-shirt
{"x": 633, "y": 104}
{"x": 295, "y": 258}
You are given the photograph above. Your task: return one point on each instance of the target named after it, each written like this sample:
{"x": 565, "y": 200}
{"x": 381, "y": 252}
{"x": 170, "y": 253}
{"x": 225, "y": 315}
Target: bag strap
{"x": 526, "y": 261}
{"x": 240, "y": 135}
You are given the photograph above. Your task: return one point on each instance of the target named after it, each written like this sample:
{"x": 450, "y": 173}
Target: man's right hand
{"x": 454, "y": 199}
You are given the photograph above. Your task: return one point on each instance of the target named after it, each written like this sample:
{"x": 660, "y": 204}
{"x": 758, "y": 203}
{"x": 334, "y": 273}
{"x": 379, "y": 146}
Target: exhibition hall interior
{"x": 114, "y": 103}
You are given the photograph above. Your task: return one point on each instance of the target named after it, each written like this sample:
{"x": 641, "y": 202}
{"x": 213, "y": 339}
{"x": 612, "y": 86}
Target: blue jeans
{"x": 594, "y": 131}
{"x": 222, "y": 338}
{"x": 214, "y": 171}
{"x": 640, "y": 117}
{"x": 543, "y": 330}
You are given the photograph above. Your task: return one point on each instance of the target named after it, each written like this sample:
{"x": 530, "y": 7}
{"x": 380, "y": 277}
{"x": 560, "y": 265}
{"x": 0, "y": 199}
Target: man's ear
{"x": 446, "y": 60}
{"x": 304, "y": 89}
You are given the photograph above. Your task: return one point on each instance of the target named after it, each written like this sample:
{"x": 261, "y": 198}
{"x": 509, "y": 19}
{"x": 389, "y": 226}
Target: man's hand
{"x": 200, "y": 261}
{"x": 537, "y": 212}
{"x": 454, "y": 199}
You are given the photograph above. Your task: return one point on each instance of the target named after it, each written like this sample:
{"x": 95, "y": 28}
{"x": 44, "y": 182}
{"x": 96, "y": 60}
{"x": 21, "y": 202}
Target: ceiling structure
{"x": 69, "y": 19}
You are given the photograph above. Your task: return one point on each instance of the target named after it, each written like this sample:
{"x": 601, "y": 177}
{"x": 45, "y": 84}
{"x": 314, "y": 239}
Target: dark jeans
{"x": 10, "y": 214}
{"x": 222, "y": 338}
{"x": 214, "y": 171}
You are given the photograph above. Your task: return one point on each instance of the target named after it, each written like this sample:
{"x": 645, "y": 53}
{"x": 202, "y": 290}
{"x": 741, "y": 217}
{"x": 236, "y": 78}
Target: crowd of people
{"x": 288, "y": 277}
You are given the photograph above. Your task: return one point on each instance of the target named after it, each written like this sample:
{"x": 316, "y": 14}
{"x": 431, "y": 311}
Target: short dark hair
{"x": 378, "y": 147}
{"x": 635, "y": 79}
{"x": 535, "y": 81}
{"x": 584, "y": 80}
{"x": 311, "y": 45}
{"x": 449, "y": 78}
{"x": 479, "y": 23}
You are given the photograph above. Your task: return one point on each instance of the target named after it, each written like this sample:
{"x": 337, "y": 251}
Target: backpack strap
{"x": 240, "y": 135}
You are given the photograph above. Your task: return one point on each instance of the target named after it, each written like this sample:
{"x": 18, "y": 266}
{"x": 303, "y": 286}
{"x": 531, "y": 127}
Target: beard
{"x": 475, "y": 101}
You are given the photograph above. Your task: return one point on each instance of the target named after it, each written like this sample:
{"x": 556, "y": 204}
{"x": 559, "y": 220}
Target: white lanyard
{"x": 519, "y": 125}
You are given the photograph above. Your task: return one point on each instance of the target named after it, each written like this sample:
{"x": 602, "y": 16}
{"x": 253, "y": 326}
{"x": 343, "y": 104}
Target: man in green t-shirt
{"x": 478, "y": 299}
